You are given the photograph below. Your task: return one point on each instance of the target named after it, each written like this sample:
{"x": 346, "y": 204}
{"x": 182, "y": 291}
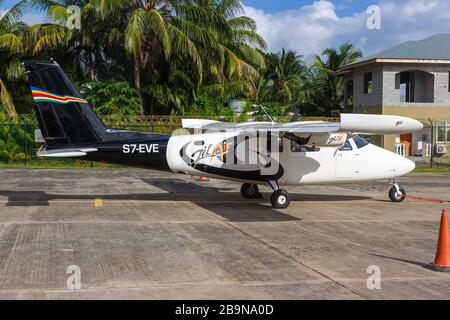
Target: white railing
{"x": 428, "y": 149}
{"x": 402, "y": 149}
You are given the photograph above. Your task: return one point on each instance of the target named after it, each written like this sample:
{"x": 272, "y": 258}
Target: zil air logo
{"x": 219, "y": 151}
{"x": 337, "y": 138}
{"x": 140, "y": 148}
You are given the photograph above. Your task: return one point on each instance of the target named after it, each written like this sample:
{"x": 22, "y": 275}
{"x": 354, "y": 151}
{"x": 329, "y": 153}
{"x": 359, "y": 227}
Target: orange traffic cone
{"x": 442, "y": 262}
{"x": 203, "y": 179}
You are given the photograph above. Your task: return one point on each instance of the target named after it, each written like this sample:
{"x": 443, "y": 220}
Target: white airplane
{"x": 291, "y": 154}
{"x": 306, "y": 153}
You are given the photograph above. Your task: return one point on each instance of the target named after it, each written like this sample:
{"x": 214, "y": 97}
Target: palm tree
{"x": 179, "y": 46}
{"x": 12, "y": 46}
{"x": 326, "y": 66}
{"x": 83, "y": 49}
{"x": 233, "y": 63}
{"x": 285, "y": 70}
{"x": 148, "y": 34}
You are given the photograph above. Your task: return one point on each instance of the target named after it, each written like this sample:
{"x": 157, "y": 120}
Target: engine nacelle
{"x": 318, "y": 139}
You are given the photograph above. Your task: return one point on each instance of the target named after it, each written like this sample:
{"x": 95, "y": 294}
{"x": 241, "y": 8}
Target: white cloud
{"x": 311, "y": 28}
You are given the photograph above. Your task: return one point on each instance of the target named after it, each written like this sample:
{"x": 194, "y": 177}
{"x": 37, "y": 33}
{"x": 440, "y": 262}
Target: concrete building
{"x": 411, "y": 79}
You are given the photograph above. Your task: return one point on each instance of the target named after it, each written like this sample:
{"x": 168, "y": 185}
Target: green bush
{"x": 202, "y": 107}
{"x": 113, "y": 98}
{"x": 15, "y": 141}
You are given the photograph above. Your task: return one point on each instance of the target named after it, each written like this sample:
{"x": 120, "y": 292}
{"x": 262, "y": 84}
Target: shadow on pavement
{"x": 220, "y": 201}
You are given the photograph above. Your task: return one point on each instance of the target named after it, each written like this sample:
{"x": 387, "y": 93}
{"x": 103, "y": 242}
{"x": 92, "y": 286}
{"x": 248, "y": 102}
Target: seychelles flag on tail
{"x": 40, "y": 95}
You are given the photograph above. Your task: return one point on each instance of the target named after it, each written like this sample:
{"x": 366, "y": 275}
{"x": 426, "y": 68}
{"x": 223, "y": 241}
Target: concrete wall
{"x": 423, "y": 87}
{"x": 363, "y": 100}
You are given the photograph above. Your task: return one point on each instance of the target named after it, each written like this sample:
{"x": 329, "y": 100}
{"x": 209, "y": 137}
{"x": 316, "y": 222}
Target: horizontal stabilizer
{"x": 64, "y": 153}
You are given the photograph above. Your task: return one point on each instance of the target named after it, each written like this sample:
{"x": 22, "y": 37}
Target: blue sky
{"x": 309, "y": 26}
{"x": 346, "y": 7}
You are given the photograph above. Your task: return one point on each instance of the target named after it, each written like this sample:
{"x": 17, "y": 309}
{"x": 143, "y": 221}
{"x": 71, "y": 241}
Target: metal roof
{"x": 436, "y": 47}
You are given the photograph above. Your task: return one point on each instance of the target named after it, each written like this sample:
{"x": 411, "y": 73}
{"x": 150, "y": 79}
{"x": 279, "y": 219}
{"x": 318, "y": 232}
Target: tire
{"x": 250, "y": 191}
{"x": 280, "y": 199}
{"x": 395, "y": 197}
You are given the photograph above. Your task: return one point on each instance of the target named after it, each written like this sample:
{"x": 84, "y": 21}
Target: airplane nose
{"x": 404, "y": 166}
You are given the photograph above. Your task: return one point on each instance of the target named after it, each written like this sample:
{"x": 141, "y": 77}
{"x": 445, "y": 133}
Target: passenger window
{"x": 297, "y": 148}
{"x": 360, "y": 142}
{"x": 347, "y": 146}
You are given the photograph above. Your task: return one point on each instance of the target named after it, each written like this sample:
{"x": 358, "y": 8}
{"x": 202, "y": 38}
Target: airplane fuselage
{"x": 231, "y": 156}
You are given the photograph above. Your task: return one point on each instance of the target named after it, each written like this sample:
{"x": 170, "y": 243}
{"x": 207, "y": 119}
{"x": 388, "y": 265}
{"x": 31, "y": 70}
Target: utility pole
{"x": 432, "y": 144}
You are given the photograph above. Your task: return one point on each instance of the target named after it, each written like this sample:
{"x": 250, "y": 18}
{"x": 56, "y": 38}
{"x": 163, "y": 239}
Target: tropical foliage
{"x": 112, "y": 98}
{"x": 166, "y": 57}
{"x": 14, "y": 140}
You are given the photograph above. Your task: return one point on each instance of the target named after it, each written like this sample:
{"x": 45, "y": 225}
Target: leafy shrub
{"x": 113, "y": 98}
{"x": 13, "y": 139}
{"x": 202, "y": 107}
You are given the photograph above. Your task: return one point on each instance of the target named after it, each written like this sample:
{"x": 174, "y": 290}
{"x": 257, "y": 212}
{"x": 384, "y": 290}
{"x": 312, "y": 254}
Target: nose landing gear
{"x": 280, "y": 199}
{"x": 397, "y": 193}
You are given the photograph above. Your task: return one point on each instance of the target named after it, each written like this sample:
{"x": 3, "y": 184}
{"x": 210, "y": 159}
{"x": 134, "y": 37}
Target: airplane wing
{"x": 350, "y": 123}
{"x": 300, "y": 127}
{"x": 65, "y": 153}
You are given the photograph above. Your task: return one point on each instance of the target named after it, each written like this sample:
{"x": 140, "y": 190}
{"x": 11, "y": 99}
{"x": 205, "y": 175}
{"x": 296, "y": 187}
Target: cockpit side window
{"x": 298, "y": 148}
{"x": 360, "y": 142}
{"x": 347, "y": 146}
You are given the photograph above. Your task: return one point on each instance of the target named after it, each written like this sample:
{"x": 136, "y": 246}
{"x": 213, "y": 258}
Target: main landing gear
{"x": 397, "y": 193}
{"x": 280, "y": 199}
{"x": 251, "y": 191}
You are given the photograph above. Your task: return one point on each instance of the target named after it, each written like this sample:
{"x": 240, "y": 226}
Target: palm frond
{"x": 184, "y": 46}
{"x": 141, "y": 22}
{"x": 13, "y": 15}
{"x": 6, "y": 101}
{"x": 11, "y": 42}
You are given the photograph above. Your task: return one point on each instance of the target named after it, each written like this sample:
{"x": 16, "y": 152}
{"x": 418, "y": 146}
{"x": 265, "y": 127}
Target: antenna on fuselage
{"x": 265, "y": 111}
{"x": 296, "y": 116}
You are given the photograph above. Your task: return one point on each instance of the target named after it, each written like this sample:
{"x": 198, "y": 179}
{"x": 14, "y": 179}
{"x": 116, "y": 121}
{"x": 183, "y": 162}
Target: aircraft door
{"x": 347, "y": 161}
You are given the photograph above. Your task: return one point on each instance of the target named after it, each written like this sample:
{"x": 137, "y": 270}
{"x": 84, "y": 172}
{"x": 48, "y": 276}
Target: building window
{"x": 406, "y": 87}
{"x": 415, "y": 86}
{"x": 443, "y": 132}
{"x": 368, "y": 83}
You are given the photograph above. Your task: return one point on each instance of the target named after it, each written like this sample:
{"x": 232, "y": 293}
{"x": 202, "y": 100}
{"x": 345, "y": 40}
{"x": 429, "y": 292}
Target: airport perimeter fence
{"x": 18, "y": 146}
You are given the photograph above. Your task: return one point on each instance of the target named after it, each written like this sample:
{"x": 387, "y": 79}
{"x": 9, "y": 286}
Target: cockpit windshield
{"x": 360, "y": 142}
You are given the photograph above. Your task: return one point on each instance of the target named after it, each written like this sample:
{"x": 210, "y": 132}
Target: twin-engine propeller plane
{"x": 292, "y": 154}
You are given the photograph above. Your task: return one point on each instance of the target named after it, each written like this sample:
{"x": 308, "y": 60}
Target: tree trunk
{"x": 92, "y": 75}
{"x": 137, "y": 81}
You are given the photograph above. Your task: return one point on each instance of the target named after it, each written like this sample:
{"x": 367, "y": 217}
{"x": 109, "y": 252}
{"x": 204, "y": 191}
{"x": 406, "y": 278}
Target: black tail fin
{"x": 64, "y": 117}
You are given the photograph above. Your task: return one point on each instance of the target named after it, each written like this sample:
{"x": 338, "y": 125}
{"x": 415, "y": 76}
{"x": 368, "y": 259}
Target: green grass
{"x": 437, "y": 169}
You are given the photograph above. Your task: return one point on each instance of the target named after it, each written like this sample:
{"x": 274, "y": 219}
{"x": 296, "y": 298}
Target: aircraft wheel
{"x": 280, "y": 199}
{"x": 395, "y": 196}
{"x": 250, "y": 191}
